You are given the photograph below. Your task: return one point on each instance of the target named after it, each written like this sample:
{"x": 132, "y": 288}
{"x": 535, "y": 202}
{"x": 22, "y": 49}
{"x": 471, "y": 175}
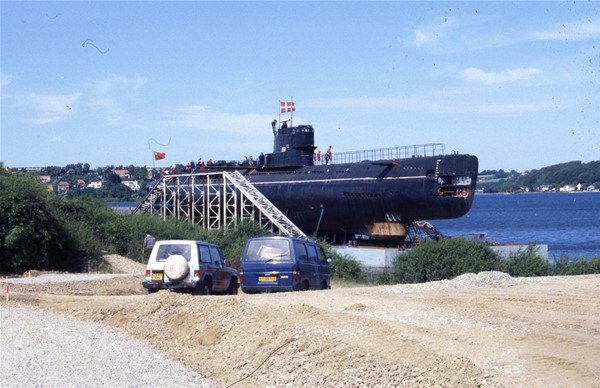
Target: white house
{"x": 123, "y": 174}
{"x": 133, "y": 185}
{"x": 96, "y": 184}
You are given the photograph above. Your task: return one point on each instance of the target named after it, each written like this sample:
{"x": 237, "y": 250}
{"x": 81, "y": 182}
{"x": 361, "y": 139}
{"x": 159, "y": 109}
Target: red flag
{"x": 159, "y": 155}
{"x": 285, "y": 107}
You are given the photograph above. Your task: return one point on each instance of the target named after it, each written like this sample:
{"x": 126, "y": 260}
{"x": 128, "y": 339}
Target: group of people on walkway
{"x": 200, "y": 165}
{"x": 327, "y": 158}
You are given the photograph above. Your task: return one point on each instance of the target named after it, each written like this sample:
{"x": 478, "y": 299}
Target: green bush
{"x": 525, "y": 262}
{"x": 384, "y": 277}
{"x": 343, "y": 267}
{"x": 78, "y": 250}
{"x": 579, "y": 266}
{"x": 442, "y": 259}
{"x": 346, "y": 268}
{"x": 125, "y": 235}
{"x": 38, "y": 231}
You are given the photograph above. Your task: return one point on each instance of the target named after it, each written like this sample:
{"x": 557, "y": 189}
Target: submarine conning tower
{"x": 293, "y": 147}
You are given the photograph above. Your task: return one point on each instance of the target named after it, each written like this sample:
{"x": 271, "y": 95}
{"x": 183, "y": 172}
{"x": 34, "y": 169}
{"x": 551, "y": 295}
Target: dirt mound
{"x": 122, "y": 264}
{"x": 491, "y": 330}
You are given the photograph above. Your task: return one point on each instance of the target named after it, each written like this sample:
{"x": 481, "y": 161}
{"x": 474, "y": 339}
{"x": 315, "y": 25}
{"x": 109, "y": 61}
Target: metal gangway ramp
{"x": 214, "y": 200}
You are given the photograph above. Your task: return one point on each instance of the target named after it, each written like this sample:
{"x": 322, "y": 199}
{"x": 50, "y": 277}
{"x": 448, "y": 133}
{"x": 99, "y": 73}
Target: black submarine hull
{"x": 371, "y": 197}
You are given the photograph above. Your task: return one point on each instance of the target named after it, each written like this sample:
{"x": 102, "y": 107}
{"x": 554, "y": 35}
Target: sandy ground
{"x": 542, "y": 332}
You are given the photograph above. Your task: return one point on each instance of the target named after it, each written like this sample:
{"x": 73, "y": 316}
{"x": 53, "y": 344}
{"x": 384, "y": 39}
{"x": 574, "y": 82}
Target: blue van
{"x": 277, "y": 263}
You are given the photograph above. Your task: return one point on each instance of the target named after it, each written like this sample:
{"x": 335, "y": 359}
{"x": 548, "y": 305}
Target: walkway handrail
{"x": 402, "y": 152}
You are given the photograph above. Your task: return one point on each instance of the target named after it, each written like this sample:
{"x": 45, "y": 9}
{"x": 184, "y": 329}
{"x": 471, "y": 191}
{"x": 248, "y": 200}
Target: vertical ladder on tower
{"x": 283, "y": 223}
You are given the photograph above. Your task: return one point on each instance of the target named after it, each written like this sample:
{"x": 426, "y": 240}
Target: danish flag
{"x": 159, "y": 155}
{"x": 285, "y": 107}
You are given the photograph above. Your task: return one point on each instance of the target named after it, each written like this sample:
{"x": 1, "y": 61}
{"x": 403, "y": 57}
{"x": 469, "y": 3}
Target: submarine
{"x": 372, "y": 195}
{"x": 376, "y": 198}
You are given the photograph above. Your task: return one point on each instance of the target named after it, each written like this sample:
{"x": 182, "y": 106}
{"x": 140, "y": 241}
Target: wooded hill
{"x": 554, "y": 177}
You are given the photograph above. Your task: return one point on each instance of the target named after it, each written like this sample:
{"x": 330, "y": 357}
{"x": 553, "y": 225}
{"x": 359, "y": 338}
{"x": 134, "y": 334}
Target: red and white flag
{"x": 159, "y": 155}
{"x": 285, "y": 107}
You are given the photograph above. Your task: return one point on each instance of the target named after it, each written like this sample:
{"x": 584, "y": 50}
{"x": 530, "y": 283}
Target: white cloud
{"x": 576, "y": 30}
{"x": 458, "y": 101}
{"x": 423, "y": 38}
{"x": 50, "y": 108}
{"x": 464, "y": 33}
{"x": 202, "y": 118}
{"x": 473, "y": 74}
{"x": 120, "y": 83}
{"x": 452, "y": 34}
{"x": 6, "y": 79}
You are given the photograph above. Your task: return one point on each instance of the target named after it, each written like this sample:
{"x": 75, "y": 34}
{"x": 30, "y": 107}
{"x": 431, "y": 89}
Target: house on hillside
{"x": 123, "y": 174}
{"x": 569, "y": 188}
{"x": 62, "y": 187}
{"x": 45, "y": 178}
{"x": 80, "y": 184}
{"x": 133, "y": 185}
{"x": 95, "y": 184}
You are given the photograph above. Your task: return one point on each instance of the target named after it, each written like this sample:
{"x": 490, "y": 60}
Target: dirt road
{"x": 485, "y": 330}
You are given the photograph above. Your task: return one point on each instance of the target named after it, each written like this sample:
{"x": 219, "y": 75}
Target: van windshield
{"x": 268, "y": 250}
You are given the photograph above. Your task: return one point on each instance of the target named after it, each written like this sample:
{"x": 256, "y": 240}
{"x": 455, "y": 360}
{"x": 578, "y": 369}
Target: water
{"x": 123, "y": 208}
{"x": 569, "y": 223}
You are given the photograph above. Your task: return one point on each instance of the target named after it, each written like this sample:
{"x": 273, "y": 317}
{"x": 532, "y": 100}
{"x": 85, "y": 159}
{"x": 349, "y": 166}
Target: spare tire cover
{"x": 176, "y": 267}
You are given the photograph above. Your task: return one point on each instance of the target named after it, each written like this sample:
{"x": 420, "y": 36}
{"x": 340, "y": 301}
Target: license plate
{"x": 267, "y": 278}
{"x": 157, "y": 276}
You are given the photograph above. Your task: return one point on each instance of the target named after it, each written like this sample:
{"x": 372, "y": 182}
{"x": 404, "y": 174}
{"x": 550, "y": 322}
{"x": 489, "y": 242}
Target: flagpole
{"x": 292, "y": 115}
{"x": 153, "y": 164}
{"x": 279, "y": 108}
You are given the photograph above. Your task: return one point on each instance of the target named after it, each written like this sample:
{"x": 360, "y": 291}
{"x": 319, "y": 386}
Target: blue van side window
{"x": 301, "y": 251}
{"x": 268, "y": 250}
{"x": 312, "y": 253}
{"x": 322, "y": 255}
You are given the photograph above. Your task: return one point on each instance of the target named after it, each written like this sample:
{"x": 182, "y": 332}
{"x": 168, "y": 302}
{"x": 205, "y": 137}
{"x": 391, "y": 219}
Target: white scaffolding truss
{"x": 215, "y": 200}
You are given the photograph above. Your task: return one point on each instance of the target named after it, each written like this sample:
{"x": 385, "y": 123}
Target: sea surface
{"x": 569, "y": 223}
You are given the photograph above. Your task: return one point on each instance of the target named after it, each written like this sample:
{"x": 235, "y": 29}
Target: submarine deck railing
{"x": 402, "y": 152}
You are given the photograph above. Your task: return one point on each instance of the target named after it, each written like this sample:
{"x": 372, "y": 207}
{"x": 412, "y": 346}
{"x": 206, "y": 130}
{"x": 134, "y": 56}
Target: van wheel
{"x": 303, "y": 286}
{"x": 233, "y": 288}
{"x": 204, "y": 289}
{"x": 324, "y": 285}
{"x": 207, "y": 288}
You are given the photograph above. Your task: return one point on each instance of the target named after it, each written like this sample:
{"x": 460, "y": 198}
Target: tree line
{"x": 42, "y": 231}
{"x": 555, "y": 176}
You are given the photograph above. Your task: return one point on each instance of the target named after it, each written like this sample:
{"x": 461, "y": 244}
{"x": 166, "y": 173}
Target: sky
{"x": 107, "y": 83}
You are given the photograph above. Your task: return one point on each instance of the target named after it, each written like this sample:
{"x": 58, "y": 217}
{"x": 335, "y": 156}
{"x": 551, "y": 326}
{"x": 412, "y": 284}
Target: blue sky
{"x": 106, "y": 83}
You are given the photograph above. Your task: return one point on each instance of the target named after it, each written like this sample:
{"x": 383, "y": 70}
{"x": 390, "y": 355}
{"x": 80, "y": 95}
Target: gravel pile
{"x": 347, "y": 337}
{"x": 121, "y": 264}
{"x": 66, "y": 278}
{"x": 42, "y": 349}
{"x": 468, "y": 280}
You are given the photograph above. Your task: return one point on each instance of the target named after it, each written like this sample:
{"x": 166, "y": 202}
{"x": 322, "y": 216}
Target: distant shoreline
{"x": 540, "y": 192}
